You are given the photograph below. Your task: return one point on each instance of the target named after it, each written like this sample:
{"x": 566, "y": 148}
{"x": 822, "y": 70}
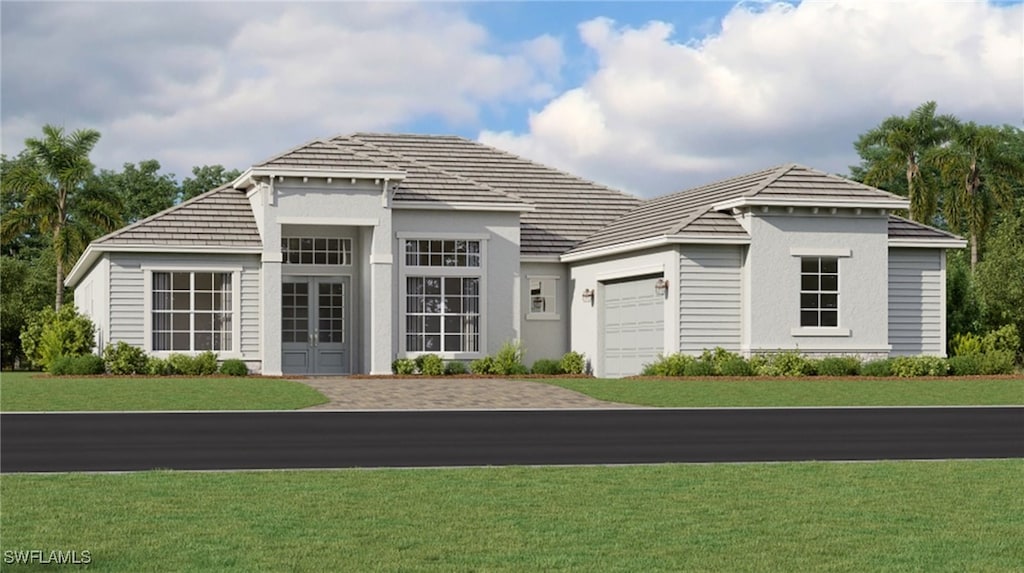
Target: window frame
{"x": 235, "y": 311}
{"x": 819, "y": 291}
{"x": 407, "y": 271}
{"x": 345, "y": 252}
{"x": 553, "y": 313}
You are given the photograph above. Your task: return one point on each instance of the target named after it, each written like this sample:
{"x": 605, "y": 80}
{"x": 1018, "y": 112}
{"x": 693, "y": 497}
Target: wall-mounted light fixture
{"x": 588, "y": 295}
{"x": 661, "y": 287}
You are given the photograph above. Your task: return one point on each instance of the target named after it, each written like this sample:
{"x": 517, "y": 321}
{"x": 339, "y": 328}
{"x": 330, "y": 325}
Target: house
{"x": 342, "y": 254}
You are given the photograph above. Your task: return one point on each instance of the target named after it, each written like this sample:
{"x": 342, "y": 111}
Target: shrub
{"x": 699, "y": 368}
{"x": 123, "y": 358}
{"x": 909, "y": 366}
{"x": 965, "y": 365}
{"x": 430, "y": 365}
{"x": 159, "y": 367}
{"x": 997, "y": 362}
{"x": 234, "y": 367}
{"x": 509, "y": 359}
{"x": 965, "y": 344}
{"x": 839, "y": 366}
{"x": 547, "y": 366}
{"x": 1005, "y": 339}
{"x": 49, "y": 334}
{"x": 735, "y": 367}
{"x": 454, "y": 368}
{"x": 82, "y": 365}
{"x": 671, "y": 365}
{"x": 404, "y": 366}
{"x": 788, "y": 363}
{"x": 205, "y": 364}
{"x": 718, "y": 357}
{"x": 483, "y": 365}
{"x": 878, "y": 368}
{"x": 573, "y": 363}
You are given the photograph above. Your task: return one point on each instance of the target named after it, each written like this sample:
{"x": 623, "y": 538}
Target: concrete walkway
{"x": 446, "y": 394}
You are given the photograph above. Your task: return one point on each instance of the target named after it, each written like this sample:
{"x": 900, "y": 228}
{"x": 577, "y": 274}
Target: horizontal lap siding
{"x": 127, "y": 293}
{"x": 710, "y": 299}
{"x": 915, "y": 301}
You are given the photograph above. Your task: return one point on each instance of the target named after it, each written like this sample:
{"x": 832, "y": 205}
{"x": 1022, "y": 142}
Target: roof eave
{"x": 94, "y": 251}
{"x": 248, "y": 179}
{"x": 462, "y": 206}
{"x": 934, "y": 243}
{"x": 652, "y": 242}
{"x": 824, "y": 202}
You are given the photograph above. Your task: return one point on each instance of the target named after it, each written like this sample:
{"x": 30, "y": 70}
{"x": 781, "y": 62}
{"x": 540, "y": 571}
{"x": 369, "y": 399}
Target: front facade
{"x": 341, "y": 255}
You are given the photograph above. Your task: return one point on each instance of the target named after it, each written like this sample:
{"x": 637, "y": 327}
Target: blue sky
{"x": 649, "y": 97}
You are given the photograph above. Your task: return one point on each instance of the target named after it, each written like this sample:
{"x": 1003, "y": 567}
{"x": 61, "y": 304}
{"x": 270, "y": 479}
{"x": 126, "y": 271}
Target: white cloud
{"x": 777, "y": 83}
{"x": 214, "y": 83}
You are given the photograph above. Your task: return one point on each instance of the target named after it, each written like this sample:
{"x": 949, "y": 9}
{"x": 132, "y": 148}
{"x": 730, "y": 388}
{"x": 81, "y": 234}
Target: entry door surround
{"x": 316, "y": 324}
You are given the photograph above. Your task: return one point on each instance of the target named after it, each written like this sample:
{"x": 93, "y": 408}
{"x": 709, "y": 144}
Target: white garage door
{"x": 634, "y": 325}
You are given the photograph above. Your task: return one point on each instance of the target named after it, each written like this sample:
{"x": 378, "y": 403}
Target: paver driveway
{"x": 446, "y": 394}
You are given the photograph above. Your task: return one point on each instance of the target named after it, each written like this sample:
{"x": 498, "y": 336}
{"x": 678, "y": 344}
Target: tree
{"x": 141, "y": 190}
{"x": 26, "y": 287}
{"x": 54, "y": 197}
{"x": 900, "y": 145}
{"x": 205, "y": 178}
{"x": 982, "y": 168}
{"x": 1000, "y": 275}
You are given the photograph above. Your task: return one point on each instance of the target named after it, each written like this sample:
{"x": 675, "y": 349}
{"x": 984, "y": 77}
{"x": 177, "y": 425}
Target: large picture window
{"x": 192, "y": 311}
{"x": 819, "y": 291}
{"x": 443, "y": 281}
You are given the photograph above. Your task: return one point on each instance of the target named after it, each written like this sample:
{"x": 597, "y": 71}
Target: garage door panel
{"x": 633, "y": 326}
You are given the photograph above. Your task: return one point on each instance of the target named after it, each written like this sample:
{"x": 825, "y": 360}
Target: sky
{"x": 646, "y": 97}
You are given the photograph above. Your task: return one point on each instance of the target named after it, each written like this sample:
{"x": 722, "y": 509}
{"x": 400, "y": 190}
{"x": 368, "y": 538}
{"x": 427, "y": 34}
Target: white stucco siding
{"x": 128, "y": 294}
{"x": 500, "y": 290}
{"x": 587, "y": 333}
{"x": 710, "y": 297}
{"x": 917, "y": 301}
{"x": 772, "y": 282}
{"x": 545, "y": 335}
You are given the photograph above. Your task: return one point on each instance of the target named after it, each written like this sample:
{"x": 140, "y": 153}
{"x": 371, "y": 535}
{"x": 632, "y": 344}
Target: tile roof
{"x": 900, "y": 228}
{"x": 320, "y": 155}
{"x": 568, "y": 208}
{"x": 218, "y": 218}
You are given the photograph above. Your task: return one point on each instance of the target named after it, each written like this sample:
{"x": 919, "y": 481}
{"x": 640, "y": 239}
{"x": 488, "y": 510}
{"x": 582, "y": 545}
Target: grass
{"x": 800, "y": 392}
{"x": 889, "y": 516}
{"x": 28, "y": 392}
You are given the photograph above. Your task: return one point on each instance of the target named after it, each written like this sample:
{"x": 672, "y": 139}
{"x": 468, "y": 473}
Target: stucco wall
{"x": 499, "y": 232}
{"x": 545, "y": 336}
{"x": 772, "y": 282}
{"x": 586, "y": 329}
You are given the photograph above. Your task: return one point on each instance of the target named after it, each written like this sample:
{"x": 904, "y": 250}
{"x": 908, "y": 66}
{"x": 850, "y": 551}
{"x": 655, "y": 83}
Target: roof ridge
{"x": 430, "y": 167}
{"x": 700, "y": 212}
{"x": 164, "y": 213}
{"x": 360, "y": 154}
{"x": 329, "y": 143}
{"x": 283, "y": 153}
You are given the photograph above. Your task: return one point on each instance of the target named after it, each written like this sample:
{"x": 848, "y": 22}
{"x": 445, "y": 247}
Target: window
{"x": 819, "y": 291}
{"x": 316, "y": 251}
{"x": 192, "y": 311}
{"x": 443, "y": 281}
{"x": 442, "y": 253}
{"x": 543, "y": 296}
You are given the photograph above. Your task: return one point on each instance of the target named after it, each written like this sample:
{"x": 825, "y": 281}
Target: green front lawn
{"x": 891, "y": 516}
{"x": 29, "y": 392}
{"x": 800, "y": 392}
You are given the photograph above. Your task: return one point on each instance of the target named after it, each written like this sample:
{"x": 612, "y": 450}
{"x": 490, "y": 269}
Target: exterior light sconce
{"x": 588, "y": 295}
{"x": 661, "y": 287}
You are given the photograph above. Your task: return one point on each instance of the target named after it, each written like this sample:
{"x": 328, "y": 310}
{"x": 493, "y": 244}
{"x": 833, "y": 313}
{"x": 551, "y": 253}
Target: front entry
{"x": 315, "y": 325}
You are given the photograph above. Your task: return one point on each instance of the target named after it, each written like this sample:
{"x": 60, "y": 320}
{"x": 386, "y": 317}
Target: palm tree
{"x": 983, "y": 164}
{"x": 898, "y": 146}
{"x": 49, "y": 181}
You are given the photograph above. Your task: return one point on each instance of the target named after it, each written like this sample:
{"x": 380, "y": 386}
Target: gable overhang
{"x": 248, "y": 179}
{"x": 462, "y": 206}
{"x": 949, "y": 243}
{"x": 93, "y": 252}
{"x": 652, "y": 243}
{"x": 824, "y": 203}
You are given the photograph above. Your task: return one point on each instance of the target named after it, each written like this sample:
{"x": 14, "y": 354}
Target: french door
{"x": 316, "y": 325}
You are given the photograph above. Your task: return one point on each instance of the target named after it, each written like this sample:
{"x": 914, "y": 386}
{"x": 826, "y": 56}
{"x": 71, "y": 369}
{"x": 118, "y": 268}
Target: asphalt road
{"x": 312, "y": 439}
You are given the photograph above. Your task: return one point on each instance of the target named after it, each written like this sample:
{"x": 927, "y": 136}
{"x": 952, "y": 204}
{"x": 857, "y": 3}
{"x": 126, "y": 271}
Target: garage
{"x": 633, "y": 322}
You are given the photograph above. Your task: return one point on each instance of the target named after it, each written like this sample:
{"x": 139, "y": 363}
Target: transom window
{"x": 442, "y": 314}
{"x": 819, "y": 291}
{"x": 316, "y": 251}
{"x": 432, "y": 253}
{"x": 192, "y": 311}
